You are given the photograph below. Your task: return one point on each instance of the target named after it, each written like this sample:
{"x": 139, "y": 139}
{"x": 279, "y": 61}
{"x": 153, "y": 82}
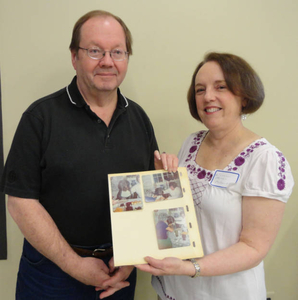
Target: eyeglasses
{"x": 97, "y": 53}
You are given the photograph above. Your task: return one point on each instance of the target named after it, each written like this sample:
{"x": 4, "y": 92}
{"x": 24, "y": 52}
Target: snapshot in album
{"x": 161, "y": 186}
{"x": 171, "y": 228}
{"x": 126, "y": 193}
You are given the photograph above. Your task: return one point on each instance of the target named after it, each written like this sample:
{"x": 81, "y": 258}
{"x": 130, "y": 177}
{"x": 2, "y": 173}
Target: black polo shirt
{"x": 61, "y": 155}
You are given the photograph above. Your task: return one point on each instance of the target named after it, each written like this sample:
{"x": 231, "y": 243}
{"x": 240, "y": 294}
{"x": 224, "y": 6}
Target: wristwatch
{"x": 197, "y": 267}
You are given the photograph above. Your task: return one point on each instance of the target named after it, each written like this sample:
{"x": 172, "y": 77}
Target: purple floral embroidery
{"x": 281, "y": 182}
{"x": 240, "y": 159}
{"x": 202, "y": 174}
{"x": 195, "y": 145}
{"x": 163, "y": 290}
{"x": 195, "y": 172}
{"x": 193, "y": 149}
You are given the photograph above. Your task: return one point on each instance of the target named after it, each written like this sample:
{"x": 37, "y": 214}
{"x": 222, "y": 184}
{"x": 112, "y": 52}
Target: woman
{"x": 240, "y": 206}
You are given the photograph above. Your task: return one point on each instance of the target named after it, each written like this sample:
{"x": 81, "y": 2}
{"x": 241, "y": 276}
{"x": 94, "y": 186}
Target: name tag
{"x": 222, "y": 179}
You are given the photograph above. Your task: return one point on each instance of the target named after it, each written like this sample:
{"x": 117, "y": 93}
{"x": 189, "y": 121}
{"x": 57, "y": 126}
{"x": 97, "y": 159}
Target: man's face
{"x": 104, "y": 75}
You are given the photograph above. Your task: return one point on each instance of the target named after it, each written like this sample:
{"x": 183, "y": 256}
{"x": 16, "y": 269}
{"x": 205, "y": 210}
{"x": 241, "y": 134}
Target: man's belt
{"x": 98, "y": 253}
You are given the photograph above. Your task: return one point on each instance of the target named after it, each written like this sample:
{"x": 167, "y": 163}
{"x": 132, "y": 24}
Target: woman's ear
{"x": 244, "y": 103}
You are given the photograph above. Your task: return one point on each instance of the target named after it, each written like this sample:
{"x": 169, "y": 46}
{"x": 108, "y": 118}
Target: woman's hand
{"x": 165, "y": 161}
{"x": 167, "y": 266}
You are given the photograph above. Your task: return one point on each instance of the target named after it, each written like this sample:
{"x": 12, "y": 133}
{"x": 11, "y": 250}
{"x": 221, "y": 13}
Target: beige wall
{"x": 170, "y": 38}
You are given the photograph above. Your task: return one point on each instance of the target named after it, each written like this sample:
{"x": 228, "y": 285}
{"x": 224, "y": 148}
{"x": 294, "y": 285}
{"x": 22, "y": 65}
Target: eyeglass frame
{"x": 104, "y": 53}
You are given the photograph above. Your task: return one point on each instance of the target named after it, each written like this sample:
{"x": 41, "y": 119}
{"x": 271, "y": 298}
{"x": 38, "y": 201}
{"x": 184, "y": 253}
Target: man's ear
{"x": 74, "y": 59}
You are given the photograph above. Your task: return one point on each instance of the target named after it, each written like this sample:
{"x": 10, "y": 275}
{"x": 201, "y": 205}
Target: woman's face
{"x": 217, "y": 106}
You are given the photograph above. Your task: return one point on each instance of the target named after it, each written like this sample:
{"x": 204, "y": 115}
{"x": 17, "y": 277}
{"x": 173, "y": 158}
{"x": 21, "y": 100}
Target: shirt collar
{"x": 77, "y": 99}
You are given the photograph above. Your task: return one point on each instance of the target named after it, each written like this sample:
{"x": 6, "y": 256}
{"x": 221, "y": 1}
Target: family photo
{"x": 159, "y": 187}
{"x": 171, "y": 228}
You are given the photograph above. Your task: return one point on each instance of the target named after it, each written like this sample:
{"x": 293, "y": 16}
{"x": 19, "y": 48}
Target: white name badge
{"x": 222, "y": 179}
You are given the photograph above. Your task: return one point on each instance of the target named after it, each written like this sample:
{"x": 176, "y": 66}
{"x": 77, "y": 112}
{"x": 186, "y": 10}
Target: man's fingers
{"x": 112, "y": 289}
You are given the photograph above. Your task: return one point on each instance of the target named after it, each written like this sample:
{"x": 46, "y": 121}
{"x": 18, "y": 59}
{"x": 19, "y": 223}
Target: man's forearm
{"x": 41, "y": 231}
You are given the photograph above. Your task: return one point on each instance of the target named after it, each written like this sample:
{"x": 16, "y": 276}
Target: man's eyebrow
{"x": 96, "y": 44}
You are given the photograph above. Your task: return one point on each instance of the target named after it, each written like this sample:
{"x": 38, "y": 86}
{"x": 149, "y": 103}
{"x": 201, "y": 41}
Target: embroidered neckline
{"x": 204, "y": 174}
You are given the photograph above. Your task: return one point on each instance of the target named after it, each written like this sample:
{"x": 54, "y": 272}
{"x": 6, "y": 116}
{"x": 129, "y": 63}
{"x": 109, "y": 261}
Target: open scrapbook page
{"x": 152, "y": 214}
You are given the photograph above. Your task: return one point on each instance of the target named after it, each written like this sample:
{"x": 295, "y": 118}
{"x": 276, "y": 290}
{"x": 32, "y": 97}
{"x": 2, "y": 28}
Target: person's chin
{"x": 106, "y": 86}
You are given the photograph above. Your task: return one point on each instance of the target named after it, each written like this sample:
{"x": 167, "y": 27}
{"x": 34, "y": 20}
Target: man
{"x": 56, "y": 171}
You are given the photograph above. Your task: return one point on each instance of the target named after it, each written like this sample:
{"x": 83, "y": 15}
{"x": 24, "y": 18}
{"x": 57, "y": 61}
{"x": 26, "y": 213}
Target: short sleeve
{"x": 22, "y": 172}
{"x": 269, "y": 176}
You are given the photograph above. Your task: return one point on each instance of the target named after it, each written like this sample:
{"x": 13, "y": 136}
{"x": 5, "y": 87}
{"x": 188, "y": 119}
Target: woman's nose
{"x": 209, "y": 94}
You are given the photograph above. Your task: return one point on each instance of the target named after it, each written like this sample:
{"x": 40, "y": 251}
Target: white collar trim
{"x": 76, "y": 103}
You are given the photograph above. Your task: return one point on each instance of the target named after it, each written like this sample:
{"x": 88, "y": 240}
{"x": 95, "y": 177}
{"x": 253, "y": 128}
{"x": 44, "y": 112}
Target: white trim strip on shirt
{"x": 124, "y": 99}
{"x": 70, "y": 96}
{"x": 76, "y": 104}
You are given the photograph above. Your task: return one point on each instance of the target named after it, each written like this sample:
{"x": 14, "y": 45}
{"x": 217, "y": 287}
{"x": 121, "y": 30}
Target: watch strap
{"x": 197, "y": 267}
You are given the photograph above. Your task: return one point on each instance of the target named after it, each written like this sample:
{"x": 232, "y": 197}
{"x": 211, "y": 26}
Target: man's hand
{"x": 90, "y": 271}
{"x": 117, "y": 280}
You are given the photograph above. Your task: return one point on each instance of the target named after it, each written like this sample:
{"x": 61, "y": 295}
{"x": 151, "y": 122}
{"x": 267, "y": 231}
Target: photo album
{"x": 152, "y": 214}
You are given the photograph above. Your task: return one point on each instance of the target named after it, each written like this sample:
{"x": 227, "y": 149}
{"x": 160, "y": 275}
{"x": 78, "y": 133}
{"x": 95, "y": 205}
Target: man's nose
{"x": 106, "y": 60}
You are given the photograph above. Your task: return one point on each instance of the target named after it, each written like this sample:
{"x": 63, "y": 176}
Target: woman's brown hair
{"x": 241, "y": 80}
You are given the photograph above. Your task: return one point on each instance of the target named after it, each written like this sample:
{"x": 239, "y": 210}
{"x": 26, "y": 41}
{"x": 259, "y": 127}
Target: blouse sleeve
{"x": 269, "y": 176}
